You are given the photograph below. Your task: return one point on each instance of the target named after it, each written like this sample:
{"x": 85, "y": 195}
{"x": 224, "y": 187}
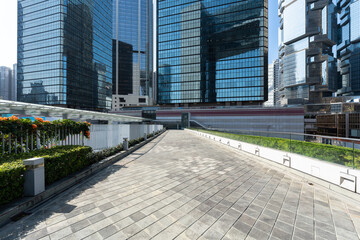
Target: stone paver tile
{"x": 256, "y": 233}
{"x": 95, "y": 236}
{"x": 61, "y": 233}
{"x": 276, "y": 232}
{"x": 233, "y": 233}
{"x": 80, "y": 225}
{"x": 38, "y": 234}
{"x": 154, "y": 229}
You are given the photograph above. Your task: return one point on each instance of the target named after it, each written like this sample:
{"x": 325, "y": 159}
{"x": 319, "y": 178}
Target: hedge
{"x": 65, "y": 162}
{"x": 11, "y": 181}
{"x": 59, "y": 162}
{"x": 330, "y": 153}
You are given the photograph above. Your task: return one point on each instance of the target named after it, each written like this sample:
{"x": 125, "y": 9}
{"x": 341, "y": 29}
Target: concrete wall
{"x": 104, "y": 136}
{"x": 339, "y": 175}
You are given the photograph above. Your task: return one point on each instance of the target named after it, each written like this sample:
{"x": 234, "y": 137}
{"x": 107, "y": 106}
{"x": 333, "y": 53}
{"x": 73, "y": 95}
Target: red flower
{"x": 13, "y": 118}
{"x": 87, "y": 134}
{"x": 34, "y": 126}
{"x": 39, "y": 119}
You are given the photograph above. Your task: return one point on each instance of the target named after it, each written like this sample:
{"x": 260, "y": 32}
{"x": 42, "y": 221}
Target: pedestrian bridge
{"x": 183, "y": 186}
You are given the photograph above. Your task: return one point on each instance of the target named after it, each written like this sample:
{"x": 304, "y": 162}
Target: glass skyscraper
{"x": 212, "y": 51}
{"x": 307, "y": 36}
{"x": 348, "y": 48}
{"x": 132, "y": 52}
{"x": 65, "y": 53}
{"x": 6, "y": 79}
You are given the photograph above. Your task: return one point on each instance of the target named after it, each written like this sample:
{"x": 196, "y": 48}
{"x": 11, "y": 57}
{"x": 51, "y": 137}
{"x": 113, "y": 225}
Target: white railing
{"x": 101, "y": 137}
{"x": 107, "y": 136}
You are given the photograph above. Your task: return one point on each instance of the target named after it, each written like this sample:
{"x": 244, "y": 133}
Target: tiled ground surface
{"x": 185, "y": 187}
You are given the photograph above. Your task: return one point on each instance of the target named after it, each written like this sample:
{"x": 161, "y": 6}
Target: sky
{"x": 273, "y": 30}
{"x": 8, "y": 32}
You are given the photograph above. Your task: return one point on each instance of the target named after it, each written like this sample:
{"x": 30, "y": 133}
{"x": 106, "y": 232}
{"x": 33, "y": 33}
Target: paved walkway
{"x": 186, "y": 187}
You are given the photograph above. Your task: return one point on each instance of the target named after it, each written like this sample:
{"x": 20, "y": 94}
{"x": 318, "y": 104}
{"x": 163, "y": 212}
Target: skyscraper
{"x": 307, "y": 65}
{"x": 64, "y": 53}
{"x": 132, "y": 53}
{"x": 5, "y": 83}
{"x": 212, "y": 51}
{"x": 348, "y": 48}
{"x": 13, "y": 88}
{"x": 273, "y": 82}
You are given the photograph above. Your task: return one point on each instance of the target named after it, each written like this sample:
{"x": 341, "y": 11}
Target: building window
{"x": 142, "y": 100}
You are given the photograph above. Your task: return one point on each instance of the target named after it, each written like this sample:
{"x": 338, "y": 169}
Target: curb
{"x": 18, "y": 208}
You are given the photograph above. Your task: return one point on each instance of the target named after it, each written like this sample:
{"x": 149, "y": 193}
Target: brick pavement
{"x": 182, "y": 186}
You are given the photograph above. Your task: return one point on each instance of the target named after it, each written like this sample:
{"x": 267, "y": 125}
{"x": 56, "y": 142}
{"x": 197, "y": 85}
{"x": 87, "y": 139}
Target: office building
{"x": 348, "y": 48}
{"x": 13, "y": 88}
{"x": 65, "y": 53}
{"x": 5, "y": 83}
{"x": 307, "y": 65}
{"x": 276, "y": 82}
{"x": 132, "y": 53}
{"x": 273, "y": 81}
{"x": 212, "y": 52}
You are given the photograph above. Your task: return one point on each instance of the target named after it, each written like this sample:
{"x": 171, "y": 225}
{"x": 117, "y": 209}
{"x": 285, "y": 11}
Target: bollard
{"x": 145, "y": 136}
{"x": 126, "y": 144}
{"x": 34, "y": 176}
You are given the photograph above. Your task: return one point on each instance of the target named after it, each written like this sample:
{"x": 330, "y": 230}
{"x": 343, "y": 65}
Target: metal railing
{"x": 30, "y": 141}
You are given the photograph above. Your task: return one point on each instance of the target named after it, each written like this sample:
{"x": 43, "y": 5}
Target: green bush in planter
{"x": 57, "y": 165}
{"x": 98, "y": 156}
{"x": 64, "y": 163}
{"x": 11, "y": 181}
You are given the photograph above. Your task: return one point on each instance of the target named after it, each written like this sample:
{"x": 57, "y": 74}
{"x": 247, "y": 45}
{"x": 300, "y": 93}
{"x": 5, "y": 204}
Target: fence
{"x": 106, "y": 136}
{"x": 29, "y": 141}
{"x": 102, "y": 137}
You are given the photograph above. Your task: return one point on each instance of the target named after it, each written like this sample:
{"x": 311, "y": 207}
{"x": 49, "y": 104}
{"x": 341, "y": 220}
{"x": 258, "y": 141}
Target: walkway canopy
{"x": 65, "y": 113}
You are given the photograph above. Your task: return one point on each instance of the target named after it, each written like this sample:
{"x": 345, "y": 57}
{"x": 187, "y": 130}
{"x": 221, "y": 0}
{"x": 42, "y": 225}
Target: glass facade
{"x": 348, "y": 48}
{"x": 212, "y": 51}
{"x": 132, "y": 48}
{"x": 307, "y": 64}
{"x": 65, "y": 53}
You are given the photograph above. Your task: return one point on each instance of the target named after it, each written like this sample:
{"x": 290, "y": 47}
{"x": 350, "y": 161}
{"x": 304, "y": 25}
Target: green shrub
{"x": 64, "y": 163}
{"x": 11, "y": 181}
{"x": 330, "y": 153}
{"x": 98, "y": 156}
{"x": 12, "y": 168}
{"x": 135, "y": 141}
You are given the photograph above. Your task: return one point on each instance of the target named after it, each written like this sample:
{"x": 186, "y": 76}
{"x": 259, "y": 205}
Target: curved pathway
{"x": 183, "y": 186}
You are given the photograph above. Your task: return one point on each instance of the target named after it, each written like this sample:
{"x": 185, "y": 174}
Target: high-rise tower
{"x": 348, "y": 48}
{"x": 64, "y": 53}
{"x": 212, "y": 51}
{"x": 307, "y": 65}
{"x": 132, "y": 53}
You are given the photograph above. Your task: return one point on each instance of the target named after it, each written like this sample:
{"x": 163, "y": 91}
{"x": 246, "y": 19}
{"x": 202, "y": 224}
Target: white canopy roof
{"x": 65, "y": 113}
